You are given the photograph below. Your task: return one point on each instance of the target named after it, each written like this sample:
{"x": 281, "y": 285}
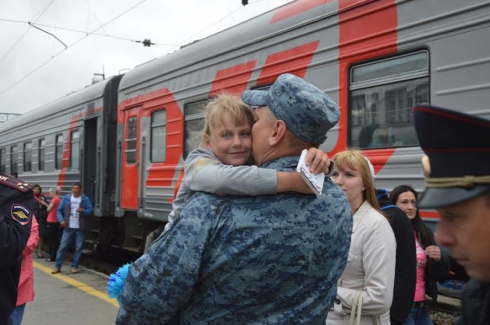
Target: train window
{"x": 158, "y": 136}
{"x": 41, "y": 154}
{"x": 382, "y": 94}
{"x": 194, "y": 124}
{"x": 59, "y": 151}
{"x": 3, "y": 157}
{"x": 27, "y": 157}
{"x": 75, "y": 150}
{"x": 131, "y": 140}
{"x": 13, "y": 159}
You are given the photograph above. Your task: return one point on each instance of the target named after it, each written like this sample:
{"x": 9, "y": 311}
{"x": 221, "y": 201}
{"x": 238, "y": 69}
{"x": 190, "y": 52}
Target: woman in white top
{"x": 371, "y": 262}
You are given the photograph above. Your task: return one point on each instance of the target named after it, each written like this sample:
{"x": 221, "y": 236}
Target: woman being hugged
{"x": 370, "y": 269}
{"x": 432, "y": 265}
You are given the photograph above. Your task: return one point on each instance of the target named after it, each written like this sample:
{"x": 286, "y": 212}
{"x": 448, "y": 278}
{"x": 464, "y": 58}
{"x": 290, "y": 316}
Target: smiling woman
{"x": 432, "y": 265}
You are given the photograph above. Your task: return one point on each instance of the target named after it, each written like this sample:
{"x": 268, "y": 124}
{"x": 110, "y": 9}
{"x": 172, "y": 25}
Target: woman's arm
{"x": 378, "y": 262}
{"x": 33, "y": 239}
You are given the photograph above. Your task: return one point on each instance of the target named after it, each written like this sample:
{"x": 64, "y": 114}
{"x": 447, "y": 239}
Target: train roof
{"x": 261, "y": 27}
{"x": 73, "y": 99}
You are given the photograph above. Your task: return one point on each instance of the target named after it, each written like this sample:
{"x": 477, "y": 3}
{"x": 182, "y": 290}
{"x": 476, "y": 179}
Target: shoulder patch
{"x": 21, "y": 214}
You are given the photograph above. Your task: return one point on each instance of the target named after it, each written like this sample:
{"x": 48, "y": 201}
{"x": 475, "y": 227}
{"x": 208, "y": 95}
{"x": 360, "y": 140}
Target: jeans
{"x": 418, "y": 316}
{"x": 68, "y": 234}
{"x": 17, "y": 315}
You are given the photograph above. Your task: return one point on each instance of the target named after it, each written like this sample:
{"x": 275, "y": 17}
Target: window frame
{"x": 72, "y": 142}
{"x": 127, "y": 140}
{"x": 41, "y": 154}
{"x": 12, "y": 164}
{"x": 198, "y": 112}
{"x": 152, "y": 140}
{"x": 353, "y": 87}
{"x": 3, "y": 162}
{"x": 24, "y": 155}
{"x": 59, "y": 148}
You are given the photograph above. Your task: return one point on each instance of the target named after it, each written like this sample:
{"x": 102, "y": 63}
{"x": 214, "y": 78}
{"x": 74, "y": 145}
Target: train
{"x": 125, "y": 138}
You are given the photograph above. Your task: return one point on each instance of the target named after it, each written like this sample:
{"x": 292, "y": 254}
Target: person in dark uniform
{"x": 457, "y": 178}
{"x": 16, "y": 206}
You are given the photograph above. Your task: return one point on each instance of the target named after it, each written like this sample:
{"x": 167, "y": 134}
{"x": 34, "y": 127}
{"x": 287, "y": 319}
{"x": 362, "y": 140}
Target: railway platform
{"x": 66, "y": 298}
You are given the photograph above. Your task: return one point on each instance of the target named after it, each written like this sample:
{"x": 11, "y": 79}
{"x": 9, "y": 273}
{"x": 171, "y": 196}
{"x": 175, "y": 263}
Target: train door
{"x": 90, "y": 161}
{"x": 130, "y": 164}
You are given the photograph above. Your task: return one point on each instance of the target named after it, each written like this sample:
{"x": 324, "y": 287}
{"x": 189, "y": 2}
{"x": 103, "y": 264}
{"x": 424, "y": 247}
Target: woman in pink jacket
{"x": 26, "y": 282}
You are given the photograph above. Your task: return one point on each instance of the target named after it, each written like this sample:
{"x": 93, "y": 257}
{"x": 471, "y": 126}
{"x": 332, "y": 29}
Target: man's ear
{"x": 279, "y": 132}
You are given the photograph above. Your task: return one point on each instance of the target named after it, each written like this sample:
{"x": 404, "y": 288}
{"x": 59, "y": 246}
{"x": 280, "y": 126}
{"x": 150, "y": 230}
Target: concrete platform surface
{"x": 66, "y": 298}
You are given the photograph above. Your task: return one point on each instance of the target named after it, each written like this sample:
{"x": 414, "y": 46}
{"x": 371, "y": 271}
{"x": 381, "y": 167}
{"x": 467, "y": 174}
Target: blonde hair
{"x": 355, "y": 160}
{"x": 56, "y": 190}
{"x": 226, "y": 104}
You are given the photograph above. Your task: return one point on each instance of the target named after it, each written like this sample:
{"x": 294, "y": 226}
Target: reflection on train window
{"x": 2, "y": 161}
{"x": 13, "y": 159}
{"x": 194, "y": 124}
{"x": 27, "y": 157}
{"x": 75, "y": 150}
{"x": 382, "y": 94}
{"x": 41, "y": 155}
{"x": 59, "y": 152}
{"x": 131, "y": 140}
{"x": 158, "y": 136}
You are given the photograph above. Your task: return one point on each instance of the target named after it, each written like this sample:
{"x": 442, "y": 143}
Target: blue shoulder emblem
{"x": 21, "y": 214}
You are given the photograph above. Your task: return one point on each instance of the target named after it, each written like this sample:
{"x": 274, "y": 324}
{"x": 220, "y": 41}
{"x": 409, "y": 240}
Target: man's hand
{"x": 318, "y": 161}
{"x": 79, "y": 210}
{"x": 62, "y": 224}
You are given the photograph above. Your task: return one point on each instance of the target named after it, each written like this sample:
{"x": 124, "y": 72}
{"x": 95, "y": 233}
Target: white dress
{"x": 370, "y": 268}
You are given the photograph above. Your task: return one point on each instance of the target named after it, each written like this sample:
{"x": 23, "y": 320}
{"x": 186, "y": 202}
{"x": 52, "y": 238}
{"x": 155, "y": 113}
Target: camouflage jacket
{"x": 244, "y": 260}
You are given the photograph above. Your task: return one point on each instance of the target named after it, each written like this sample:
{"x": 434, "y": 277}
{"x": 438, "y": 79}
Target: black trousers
{"x": 53, "y": 238}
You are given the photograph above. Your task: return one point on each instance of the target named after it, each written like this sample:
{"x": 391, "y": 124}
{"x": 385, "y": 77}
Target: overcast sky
{"x": 36, "y": 68}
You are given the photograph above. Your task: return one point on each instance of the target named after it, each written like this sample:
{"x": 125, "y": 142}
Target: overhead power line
{"x": 70, "y": 46}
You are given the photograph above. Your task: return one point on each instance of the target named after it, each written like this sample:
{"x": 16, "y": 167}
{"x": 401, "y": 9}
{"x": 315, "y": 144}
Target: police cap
{"x": 457, "y": 161}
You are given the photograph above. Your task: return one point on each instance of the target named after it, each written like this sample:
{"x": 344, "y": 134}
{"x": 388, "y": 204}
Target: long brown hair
{"x": 355, "y": 160}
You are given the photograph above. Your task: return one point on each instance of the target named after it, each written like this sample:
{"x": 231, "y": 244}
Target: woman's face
{"x": 36, "y": 190}
{"x": 408, "y": 203}
{"x": 350, "y": 181}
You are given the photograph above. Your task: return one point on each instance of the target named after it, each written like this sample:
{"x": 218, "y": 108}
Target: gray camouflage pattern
{"x": 306, "y": 110}
{"x": 234, "y": 260}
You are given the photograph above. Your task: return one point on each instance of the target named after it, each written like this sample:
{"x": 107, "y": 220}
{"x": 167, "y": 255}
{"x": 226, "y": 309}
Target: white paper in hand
{"x": 315, "y": 182}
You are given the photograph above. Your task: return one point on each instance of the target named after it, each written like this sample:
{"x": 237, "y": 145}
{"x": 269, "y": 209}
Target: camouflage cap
{"x": 306, "y": 110}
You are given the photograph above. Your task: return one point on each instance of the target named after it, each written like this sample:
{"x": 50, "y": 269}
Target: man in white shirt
{"x": 71, "y": 214}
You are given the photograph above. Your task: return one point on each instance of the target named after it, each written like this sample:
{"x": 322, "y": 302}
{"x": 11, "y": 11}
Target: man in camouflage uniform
{"x": 16, "y": 206}
{"x": 252, "y": 260}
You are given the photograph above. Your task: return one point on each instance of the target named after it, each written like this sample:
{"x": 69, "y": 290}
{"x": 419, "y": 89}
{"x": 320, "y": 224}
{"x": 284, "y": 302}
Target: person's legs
{"x": 79, "y": 237}
{"x": 410, "y": 319}
{"x": 17, "y": 315}
{"x": 65, "y": 242}
{"x": 422, "y": 317}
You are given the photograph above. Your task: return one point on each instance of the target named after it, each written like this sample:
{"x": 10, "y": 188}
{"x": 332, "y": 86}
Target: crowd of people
{"x": 247, "y": 243}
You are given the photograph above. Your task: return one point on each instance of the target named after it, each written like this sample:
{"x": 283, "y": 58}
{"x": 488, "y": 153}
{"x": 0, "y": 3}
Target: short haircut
{"x": 222, "y": 105}
{"x": 77, "y": 184}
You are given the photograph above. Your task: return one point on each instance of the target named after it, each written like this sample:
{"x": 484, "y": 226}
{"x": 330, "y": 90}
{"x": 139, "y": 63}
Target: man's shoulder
{"x": 11, "y": 186}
